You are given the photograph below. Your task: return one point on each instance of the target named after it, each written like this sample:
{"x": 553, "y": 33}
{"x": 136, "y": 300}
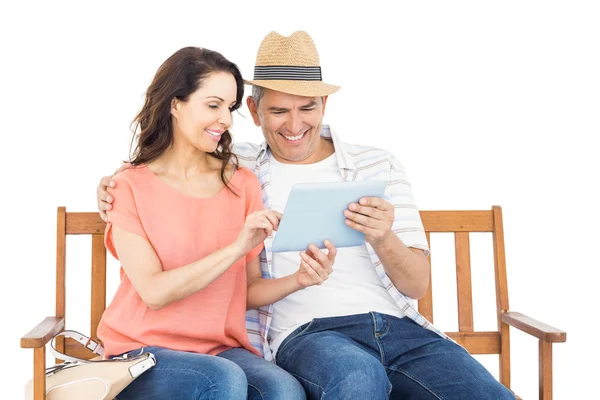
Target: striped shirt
{"x": 355, "y": 163}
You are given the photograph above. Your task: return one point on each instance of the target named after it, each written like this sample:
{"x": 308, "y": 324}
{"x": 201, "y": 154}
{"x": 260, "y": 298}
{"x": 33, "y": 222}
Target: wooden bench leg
{"x": 545, "y": 372}
{"x": 39, "y": 373}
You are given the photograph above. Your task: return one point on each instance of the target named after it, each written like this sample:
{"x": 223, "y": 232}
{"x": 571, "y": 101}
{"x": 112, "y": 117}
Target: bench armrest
{"x": 533, "y": 327}
{"x": 43, "y": 333}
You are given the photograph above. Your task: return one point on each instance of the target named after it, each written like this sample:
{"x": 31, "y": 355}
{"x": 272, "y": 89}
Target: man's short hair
{"x": 257, "y": 93}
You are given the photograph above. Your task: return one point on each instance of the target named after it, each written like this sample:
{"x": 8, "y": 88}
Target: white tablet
{"x": 314, "y": 212}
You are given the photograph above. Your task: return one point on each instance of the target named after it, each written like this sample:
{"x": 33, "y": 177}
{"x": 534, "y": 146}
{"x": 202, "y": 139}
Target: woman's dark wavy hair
{"x": 177, "y": 78}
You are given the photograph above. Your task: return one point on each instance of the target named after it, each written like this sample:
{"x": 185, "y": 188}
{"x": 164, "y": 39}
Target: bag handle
{"x": 85, "y": 341}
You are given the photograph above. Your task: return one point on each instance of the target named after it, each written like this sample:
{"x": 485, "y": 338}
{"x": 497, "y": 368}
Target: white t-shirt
{"x": 354, "y": 286}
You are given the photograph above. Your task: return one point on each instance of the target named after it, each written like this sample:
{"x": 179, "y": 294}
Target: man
{"x": 358, "y": 335}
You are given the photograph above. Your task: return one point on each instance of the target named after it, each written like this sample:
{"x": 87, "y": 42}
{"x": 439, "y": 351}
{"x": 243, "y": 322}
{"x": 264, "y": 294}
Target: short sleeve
{"x": 254, "y": 203}
{"x": 123, "y": 214}
{"x": 407, "y": 219}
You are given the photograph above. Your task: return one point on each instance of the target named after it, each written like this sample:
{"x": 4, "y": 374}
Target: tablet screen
{"x": 314, "y": 213}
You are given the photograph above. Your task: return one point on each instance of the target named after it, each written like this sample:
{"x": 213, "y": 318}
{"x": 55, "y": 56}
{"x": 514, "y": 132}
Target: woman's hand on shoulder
{"x": 104, "y": 199}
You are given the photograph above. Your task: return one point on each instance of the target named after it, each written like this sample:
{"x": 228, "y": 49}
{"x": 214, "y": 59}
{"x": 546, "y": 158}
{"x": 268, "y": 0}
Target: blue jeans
{"x": 266, "y": 381}
{"x": 233, "y": 374}
{"x": 377, "y": 356}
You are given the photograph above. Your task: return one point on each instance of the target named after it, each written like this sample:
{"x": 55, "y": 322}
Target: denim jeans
{"x": 377, "y": 356}
{"x": 231, "y": 375}
{"x": 266, "y": 381}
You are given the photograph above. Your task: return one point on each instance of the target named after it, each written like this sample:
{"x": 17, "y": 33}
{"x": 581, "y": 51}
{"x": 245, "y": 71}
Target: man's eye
{"x": 308, "y": 109}
{"x": 278, "y": 112}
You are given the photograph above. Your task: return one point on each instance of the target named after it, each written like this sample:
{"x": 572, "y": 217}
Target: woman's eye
{"x": 213, "y": 106}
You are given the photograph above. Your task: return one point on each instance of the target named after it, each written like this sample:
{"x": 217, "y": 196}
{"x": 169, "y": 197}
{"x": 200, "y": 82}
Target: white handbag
{"x": 77, "y": 379}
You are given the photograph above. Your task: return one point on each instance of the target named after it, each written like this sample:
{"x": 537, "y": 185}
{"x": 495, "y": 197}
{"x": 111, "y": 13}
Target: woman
{"x": 186, "y": 223}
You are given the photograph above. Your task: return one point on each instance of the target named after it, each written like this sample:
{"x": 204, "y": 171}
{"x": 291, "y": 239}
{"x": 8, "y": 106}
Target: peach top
{"x": 181, "y": 229}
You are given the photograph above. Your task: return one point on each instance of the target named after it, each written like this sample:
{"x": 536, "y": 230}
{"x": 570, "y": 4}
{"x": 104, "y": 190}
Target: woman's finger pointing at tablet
{"x": 273, "y": 219}
{"x": 276, "y": 213}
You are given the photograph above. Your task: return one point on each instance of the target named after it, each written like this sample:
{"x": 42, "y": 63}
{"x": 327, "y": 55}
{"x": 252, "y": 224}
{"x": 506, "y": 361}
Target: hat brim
{"x": 298, "y": 88}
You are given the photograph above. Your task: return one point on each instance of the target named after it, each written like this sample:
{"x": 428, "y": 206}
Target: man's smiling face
{"x": 291, "y": 125}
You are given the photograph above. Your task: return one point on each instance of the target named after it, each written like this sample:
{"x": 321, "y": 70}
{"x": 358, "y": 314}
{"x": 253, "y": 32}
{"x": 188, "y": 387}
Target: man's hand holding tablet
{"x": 373, "y": 217}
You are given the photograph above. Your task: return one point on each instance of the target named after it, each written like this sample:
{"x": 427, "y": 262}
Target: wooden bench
{"x": 460, "y": 223}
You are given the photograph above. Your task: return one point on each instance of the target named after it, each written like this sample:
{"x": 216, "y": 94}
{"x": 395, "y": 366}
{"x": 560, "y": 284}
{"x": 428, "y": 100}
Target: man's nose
{"x": 295, "y": 124}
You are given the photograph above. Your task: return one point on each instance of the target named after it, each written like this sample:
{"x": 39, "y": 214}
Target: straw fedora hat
{"x": 290, "y": 64}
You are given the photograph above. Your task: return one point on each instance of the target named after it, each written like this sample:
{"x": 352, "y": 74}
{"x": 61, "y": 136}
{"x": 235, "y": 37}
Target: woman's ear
{"x": 175, "y": 107}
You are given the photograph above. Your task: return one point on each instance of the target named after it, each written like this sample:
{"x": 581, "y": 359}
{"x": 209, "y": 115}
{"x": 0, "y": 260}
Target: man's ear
{"x": 324, "y": 100}
{"x": 253, "y": 110}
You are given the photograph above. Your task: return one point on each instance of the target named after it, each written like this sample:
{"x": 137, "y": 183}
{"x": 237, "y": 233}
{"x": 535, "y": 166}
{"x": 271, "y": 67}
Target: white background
{"x": 483, "y": 102}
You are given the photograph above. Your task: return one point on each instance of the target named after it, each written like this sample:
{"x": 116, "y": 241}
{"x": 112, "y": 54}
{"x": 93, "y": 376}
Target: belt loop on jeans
{"x": 381, "y": 323}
